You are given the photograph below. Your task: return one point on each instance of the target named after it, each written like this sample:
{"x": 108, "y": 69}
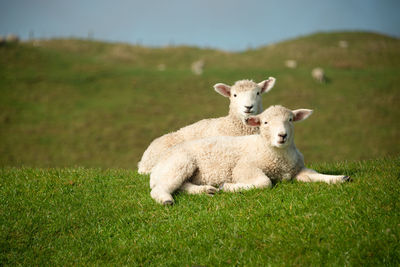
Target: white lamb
{"x": 318, "y": 74}
{"x": 245, "y": 100}
{"x": 237, "y": 163}
{"x": 12, "y": 38}
{"x": 198, "y": 67}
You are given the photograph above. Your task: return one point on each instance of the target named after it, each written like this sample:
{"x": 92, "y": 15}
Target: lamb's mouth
{"x": 281, "y": 141}
{"x": 249, "y": 112}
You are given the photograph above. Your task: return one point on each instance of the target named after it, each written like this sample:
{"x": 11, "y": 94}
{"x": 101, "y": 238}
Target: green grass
{"x": 80, "y": 216}
{"x": 74, "y": 102}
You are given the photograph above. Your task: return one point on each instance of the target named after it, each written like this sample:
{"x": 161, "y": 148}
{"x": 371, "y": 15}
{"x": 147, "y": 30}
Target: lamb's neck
{"x": 280, "y": 152}
{"x": 289, "y": 149}
{"x": 280, "y": 163}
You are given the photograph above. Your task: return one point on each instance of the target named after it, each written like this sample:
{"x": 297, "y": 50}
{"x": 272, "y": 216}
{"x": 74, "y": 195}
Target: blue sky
{"x": 225, "y": 24}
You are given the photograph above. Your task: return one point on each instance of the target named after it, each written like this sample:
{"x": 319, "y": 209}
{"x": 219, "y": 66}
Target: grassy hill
{"x": 95, "y": 104}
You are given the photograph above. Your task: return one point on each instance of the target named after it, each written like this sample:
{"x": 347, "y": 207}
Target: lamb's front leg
{"x": 309, "y": 175}
{"x": 246, "y": 178}
{"x": 169, "y": 175}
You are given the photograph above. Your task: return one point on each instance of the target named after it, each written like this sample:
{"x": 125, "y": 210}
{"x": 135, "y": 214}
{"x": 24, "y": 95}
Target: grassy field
{"x": 66, "y": 103}
{"x": 85, "y": 216}
{"x": 76, "y": 116}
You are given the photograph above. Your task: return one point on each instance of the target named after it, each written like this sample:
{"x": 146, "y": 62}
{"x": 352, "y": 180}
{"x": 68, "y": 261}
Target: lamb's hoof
{"x": 346, "y": 178}
{"x": 168, "y": 203}
{"x": 211, "y": 190}
{"x": 221, "y": 187}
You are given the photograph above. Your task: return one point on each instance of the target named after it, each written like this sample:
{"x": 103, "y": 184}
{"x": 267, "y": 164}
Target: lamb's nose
{"x": 248, "y": 107}
{"x": 282, "y": 135}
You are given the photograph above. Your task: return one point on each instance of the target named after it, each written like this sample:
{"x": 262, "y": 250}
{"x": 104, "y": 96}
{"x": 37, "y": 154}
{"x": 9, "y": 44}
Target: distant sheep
{"x": 237, "y": 163}
{"x": 161, "y": 67}
{"x": 290, "y": 63}
{"x": 318, "y": 74}
{"x": 36, "y": 43}
{"x": 198, "y": 67}
{"x": 245, "y": 100}
{"x": 343, "y": 44}
{"x": 12, "y": 38}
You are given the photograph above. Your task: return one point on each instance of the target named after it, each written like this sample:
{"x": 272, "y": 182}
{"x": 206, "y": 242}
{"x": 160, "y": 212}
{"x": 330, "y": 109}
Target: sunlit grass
{"x": 80, "y": 216}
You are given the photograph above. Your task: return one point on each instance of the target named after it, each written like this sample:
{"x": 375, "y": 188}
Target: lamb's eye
{"x": 265, "y": 122}
{"x": 258, "y": 93}
{"x": 291, "y": 119}
{"x": 234, "y": 95}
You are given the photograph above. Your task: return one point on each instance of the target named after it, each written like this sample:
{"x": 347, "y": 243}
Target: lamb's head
{"x": 276, "y": 124}
{"x": 245, "y": 96}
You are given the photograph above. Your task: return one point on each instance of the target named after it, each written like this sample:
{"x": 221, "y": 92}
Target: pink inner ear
{"x": 298, "y": 116}
{"x": 253, "y": 121}
{"x": 224, "y": 90}
{"x": 265, "y": 85}
{"x": 227, "y": 91}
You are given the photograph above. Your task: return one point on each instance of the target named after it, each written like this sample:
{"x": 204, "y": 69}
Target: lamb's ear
{"x": 253, "y": 121}
{"x": 267, "y": 84}
{"x": 223, "y": 89}
{"x": 301, "y": 114}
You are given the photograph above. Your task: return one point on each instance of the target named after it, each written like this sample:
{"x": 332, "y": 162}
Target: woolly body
{"x": 237, "y": 163}
{"x": 217, "y": 159}
{"x": 245, "y": 100}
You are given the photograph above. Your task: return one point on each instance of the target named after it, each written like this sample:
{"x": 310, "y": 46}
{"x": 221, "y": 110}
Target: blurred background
{"x": 92, "y": 83}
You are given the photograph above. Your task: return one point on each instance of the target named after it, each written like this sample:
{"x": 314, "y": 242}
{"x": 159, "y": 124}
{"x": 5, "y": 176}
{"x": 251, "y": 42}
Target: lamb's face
{"x": 246, "y": 102}
{"x": 245, "y": 96}
{"x": 276, "y": 124}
